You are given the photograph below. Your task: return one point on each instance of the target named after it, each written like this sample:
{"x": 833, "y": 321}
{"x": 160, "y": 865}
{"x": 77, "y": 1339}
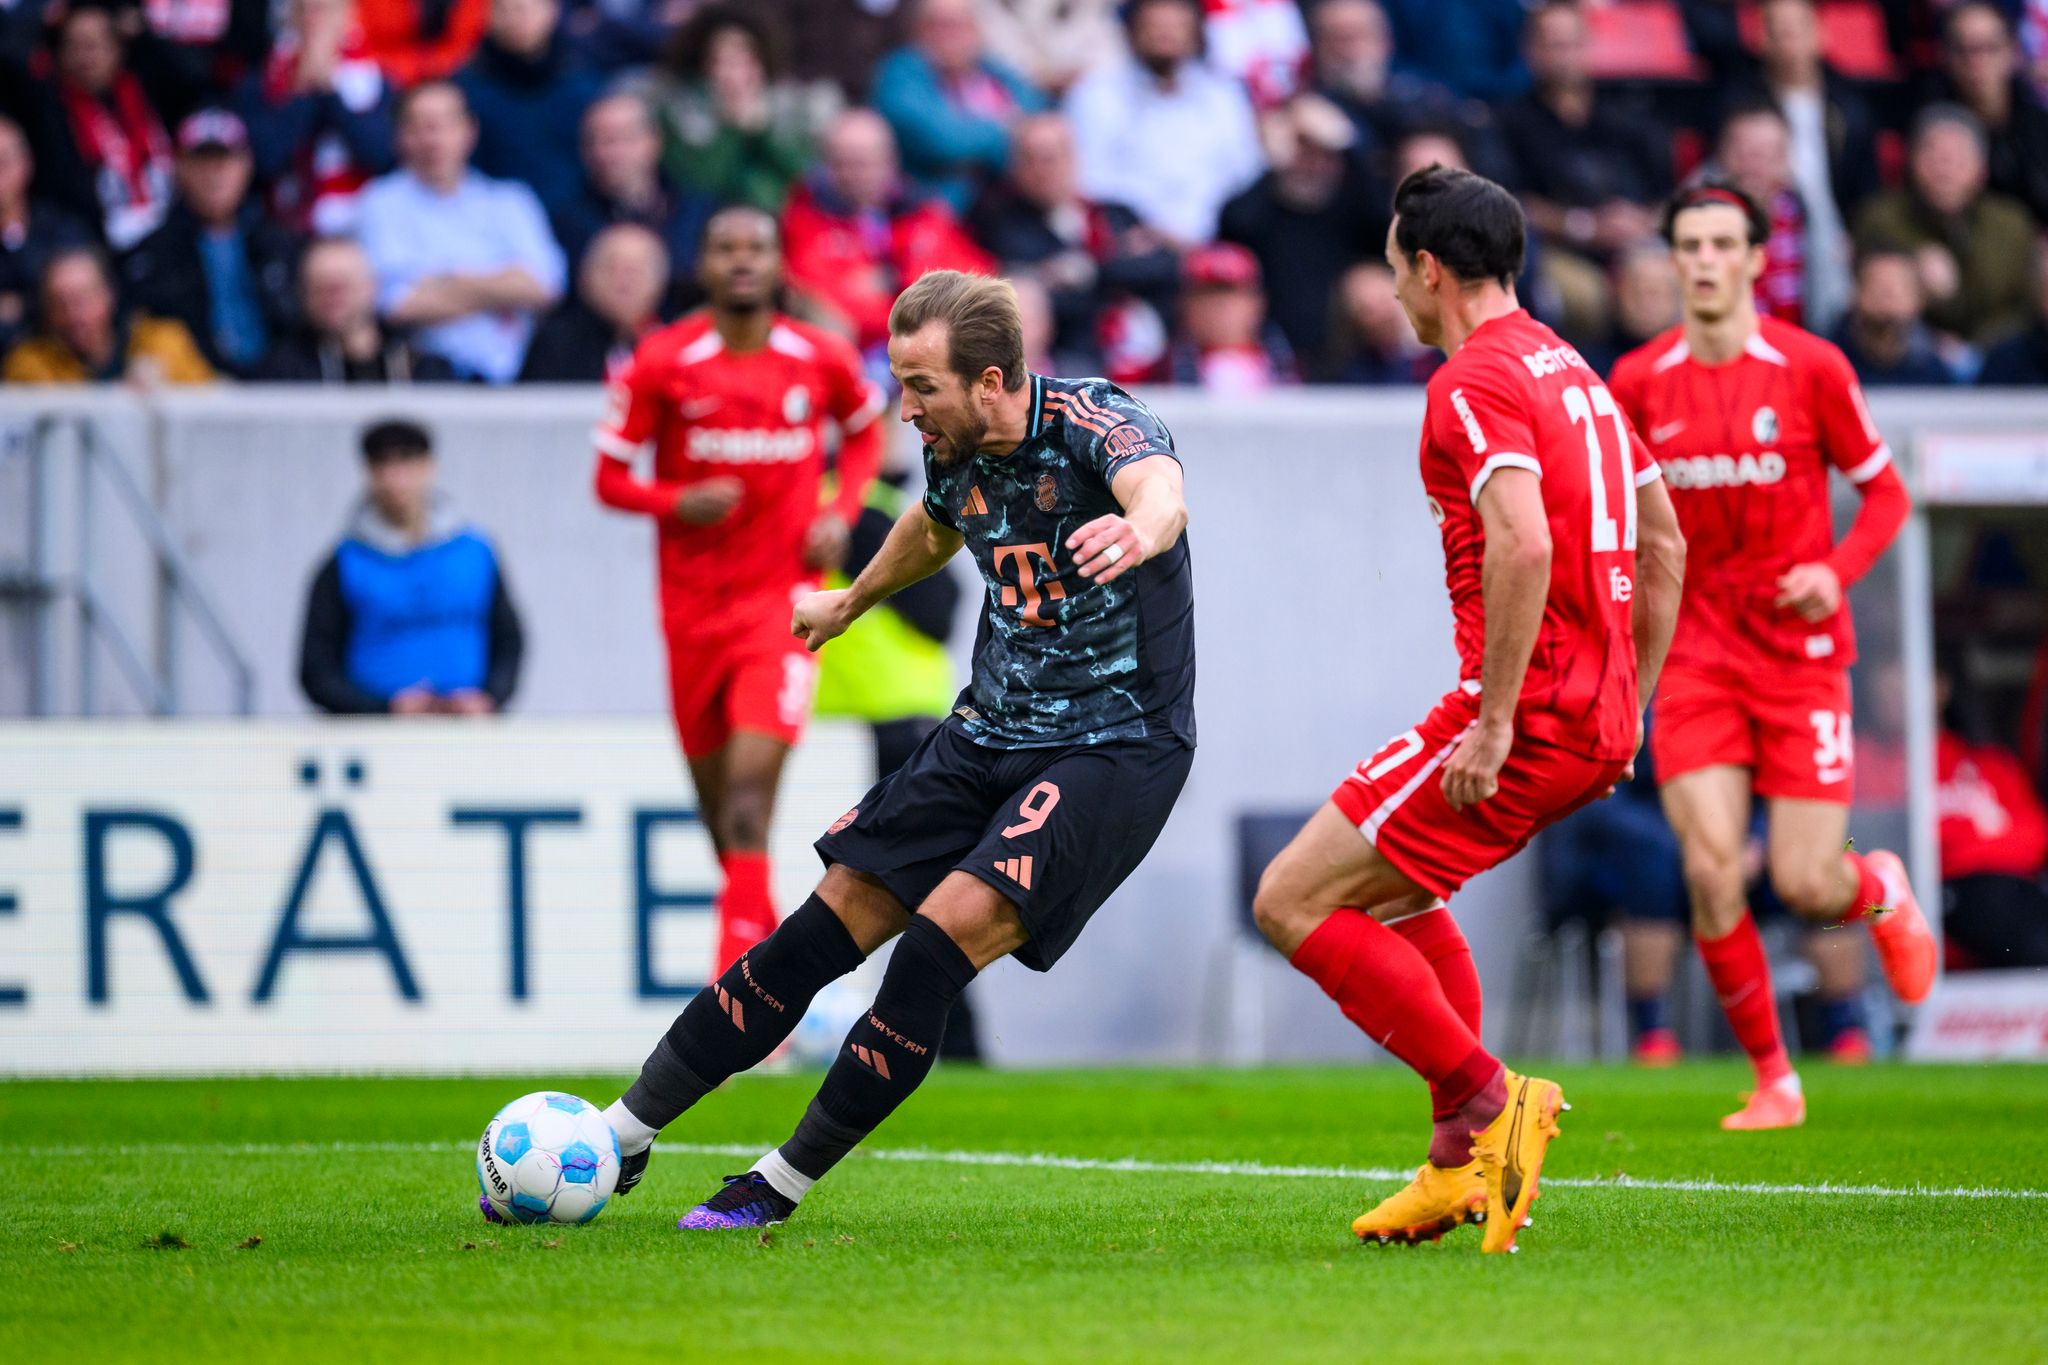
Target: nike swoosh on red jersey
{"x": 1659, "y": 435}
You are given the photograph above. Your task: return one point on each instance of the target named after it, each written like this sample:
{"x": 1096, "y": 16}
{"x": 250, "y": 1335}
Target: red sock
{"x": 1442, "y": 944}
{"x": 745, "y": 907}
{"x": 1386, "y": 987}
{"x": 1869, "y": 890}
{"x": 1741, "y": 973}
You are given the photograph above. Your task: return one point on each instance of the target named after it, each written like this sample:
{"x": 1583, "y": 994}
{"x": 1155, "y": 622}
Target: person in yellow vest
{"x": 891, "y": 669}
{"x": 86, "y": 336}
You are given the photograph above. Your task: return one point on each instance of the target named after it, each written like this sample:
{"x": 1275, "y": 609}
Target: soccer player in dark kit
{"x": 1045, "y": 788}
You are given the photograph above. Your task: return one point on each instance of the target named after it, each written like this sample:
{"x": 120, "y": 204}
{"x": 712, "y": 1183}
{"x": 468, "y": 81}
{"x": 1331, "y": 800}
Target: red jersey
{"x": 757, "y": 416}
{"x": 1515, "y": 396}
{"x": 1746, "y": 448}
{"x": 1991, "y": 819}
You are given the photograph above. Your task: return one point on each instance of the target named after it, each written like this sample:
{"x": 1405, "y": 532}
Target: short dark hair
{"x": 1882, "y": 249}
{"x": 1133, "y": 8}
{"x": 1720, "y": 190}
{"x": 1472, "y": 226}
{"x": 1751, "y": 106}
{"x": 740, "y": 210}
{"x": 691, "y": 47}
{"x": 410, "y": 96}
{"x": 395, "y": 438}
{"x": 984, "y": 330}
{"x": 87, "y": 251}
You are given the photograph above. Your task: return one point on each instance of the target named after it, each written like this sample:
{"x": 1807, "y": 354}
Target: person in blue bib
{"x": 410, "y": 615}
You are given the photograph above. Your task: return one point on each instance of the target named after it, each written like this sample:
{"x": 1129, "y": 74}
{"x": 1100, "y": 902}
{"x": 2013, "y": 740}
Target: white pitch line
{"x": 1049, "y": 1161}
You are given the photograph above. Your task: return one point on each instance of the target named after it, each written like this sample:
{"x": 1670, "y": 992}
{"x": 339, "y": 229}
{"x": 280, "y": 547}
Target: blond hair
{"x": 983, "y": 328}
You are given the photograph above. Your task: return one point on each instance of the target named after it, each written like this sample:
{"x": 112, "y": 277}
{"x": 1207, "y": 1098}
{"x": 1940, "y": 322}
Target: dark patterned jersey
{"x": 1062, "y": 659}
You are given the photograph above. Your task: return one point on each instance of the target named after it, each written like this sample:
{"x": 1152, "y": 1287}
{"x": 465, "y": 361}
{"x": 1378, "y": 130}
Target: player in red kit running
{"x": 734, "y": 399}
{"x": 1747, "y": 415}
{"x": 1564, "y": 562}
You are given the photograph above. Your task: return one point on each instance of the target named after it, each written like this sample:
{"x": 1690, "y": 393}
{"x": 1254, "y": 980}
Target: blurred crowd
{"x": 1190, "y": 191}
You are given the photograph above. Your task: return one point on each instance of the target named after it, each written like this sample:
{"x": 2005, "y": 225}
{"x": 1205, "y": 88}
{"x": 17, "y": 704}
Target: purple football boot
{"x": 747, "y": 1201}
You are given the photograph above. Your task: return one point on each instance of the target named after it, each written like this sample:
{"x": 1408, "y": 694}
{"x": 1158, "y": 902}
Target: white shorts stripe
{"x": 1371, "y": 828}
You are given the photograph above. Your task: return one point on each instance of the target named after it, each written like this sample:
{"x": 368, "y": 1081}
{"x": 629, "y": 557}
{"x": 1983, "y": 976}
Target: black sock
{"x": 736, "y": 1021}
{"x": 889, "y": 1052}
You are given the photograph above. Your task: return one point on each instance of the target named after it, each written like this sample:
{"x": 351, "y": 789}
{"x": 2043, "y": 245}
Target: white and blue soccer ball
{"x": 547, "y": 1158}
{"x": 832, "y": 1015}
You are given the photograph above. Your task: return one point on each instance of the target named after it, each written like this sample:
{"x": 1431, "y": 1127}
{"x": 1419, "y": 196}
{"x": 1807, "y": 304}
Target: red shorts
{"x": 1396, "y": 798}
{"x": 760, "y": 681}
{"x": 1790, "y": 728}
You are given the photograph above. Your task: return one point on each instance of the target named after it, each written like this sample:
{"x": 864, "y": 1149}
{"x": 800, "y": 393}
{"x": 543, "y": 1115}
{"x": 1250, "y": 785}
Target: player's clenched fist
{"x": 709, "y": 500}
{"x": 822, "y": 616}
{"x": 1473, "y": 772}
{"x": 1814, "y": 591}
{"x": 1108, "y": 546}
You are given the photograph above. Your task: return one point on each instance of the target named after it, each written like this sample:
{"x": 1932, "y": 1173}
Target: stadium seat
{"x": 1852, "y": 36}
{"x": 1641, "y": 40}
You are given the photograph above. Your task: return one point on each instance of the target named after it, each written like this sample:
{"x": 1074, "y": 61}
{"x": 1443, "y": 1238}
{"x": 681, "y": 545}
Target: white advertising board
{"x": 1983, "y": 1017}
{"x": 431, "y": 895}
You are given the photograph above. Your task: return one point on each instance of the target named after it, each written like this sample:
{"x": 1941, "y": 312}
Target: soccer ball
{"x": 547, "y": 1158}
{"x": 832, "y": 1015}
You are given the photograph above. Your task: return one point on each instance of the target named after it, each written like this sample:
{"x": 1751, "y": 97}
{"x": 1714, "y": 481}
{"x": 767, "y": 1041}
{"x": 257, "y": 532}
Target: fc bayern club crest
{"x": 796, "y": 405}
{"x": 1047, "y": 493}
{"x": 1764, "y": 426}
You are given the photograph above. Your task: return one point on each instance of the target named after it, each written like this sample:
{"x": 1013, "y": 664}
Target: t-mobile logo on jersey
{"x": 1620, "y": 586}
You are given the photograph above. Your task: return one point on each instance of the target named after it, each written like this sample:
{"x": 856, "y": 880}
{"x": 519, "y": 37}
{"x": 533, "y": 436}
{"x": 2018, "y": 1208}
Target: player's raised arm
{"x": 1515, "y": 583}
{"x": 1155, "y": 513}
{"x": 918, "y": 546}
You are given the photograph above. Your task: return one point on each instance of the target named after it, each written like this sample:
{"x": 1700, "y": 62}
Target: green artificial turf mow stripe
{"x": 374, "y": 1250}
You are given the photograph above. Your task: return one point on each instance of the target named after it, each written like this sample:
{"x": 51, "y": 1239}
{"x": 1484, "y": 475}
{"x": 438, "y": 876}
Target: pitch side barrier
{"x": 1323, "y": 630}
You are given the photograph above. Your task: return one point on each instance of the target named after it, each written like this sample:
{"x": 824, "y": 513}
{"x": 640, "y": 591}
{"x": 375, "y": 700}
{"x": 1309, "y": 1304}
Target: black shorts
{"x": 1054, "y": 829}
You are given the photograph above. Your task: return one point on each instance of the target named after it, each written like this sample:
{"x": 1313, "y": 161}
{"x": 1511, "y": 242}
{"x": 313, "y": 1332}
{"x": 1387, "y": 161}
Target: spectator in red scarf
{"x": 854, "y": 236}
{"x": 102, "y": 151}
{"x": 1806, "y": 265}
{"x": 319, "y": 117}
{"x": 421, "y": 40}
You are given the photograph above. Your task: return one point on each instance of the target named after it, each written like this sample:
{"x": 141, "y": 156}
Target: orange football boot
{"x": 1905, "y": 945}
{"x": 1436, "y": 1201}
{"x": 1510, "y": 1153}
{"x": 1771, "y": 1106}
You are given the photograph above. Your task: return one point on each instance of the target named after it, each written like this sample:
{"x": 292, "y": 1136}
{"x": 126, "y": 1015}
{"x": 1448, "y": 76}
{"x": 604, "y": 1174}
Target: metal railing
{"x": 46, "y": 586}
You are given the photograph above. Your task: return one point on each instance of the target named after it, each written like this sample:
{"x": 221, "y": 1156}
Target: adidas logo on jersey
{"x": 726, "y": 445}
{"x": 1724, "y": 471}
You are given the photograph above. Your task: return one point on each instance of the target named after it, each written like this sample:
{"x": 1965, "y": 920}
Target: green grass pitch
{"x": 372, "y": 1249}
